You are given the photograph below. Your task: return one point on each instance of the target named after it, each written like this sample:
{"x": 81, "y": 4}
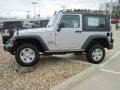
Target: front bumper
{"x": 9, "y": 48}
{"x": 5, "y": 39}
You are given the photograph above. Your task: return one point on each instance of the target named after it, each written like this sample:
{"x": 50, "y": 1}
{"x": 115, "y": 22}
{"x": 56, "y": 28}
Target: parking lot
{"x": 112, "y": 62}
{"x": 107, "y": 77}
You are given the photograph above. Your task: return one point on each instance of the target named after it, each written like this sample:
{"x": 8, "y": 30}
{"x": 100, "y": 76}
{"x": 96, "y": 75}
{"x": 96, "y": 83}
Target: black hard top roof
{"x": 86, "y": 13}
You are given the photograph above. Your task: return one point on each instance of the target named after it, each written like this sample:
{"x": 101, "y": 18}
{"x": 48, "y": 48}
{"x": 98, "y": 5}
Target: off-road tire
{"x": 20, "y": 48}
{"x": 90, "y": 51}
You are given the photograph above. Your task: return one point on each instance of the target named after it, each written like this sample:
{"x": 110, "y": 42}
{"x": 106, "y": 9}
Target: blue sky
{"x": 18, "y": 8}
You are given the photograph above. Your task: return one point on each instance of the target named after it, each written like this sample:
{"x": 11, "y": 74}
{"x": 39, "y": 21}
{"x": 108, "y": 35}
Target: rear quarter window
{"x": 96, "y": 23}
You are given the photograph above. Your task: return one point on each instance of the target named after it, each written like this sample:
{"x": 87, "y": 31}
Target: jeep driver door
{"x": 69, "y": 36}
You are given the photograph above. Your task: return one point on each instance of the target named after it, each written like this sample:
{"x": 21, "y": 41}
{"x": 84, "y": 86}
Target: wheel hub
{"x": 27, "y": 55}
{"x": 97, "y": 54}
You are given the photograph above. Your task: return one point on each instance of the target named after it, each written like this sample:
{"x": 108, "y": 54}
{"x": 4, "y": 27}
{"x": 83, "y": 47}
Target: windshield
{"x": 52, "y": 21}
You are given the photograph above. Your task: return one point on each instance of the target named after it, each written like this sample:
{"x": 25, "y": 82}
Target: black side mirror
{"x": 61, "y": 25}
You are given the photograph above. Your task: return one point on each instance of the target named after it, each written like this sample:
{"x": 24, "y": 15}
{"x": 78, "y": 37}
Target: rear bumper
{"x": 112, "y": 41}
{"x": 110, "y": 46}
{"x": 8, "y": 48}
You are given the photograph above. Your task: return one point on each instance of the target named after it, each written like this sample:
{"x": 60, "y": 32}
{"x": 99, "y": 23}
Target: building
{"x": 6, "y": 23}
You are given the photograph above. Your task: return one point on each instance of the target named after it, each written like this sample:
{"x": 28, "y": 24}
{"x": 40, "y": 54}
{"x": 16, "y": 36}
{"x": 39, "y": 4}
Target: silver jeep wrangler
{"x": 66, "y": 32}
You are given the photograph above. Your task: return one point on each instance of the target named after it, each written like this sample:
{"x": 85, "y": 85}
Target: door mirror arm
{"x": 60, "y": 25}
{"x": 59, "y": 29}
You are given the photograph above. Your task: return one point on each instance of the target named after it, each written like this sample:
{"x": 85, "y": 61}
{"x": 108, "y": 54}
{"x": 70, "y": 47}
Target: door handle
{"x": 77, "y": 31}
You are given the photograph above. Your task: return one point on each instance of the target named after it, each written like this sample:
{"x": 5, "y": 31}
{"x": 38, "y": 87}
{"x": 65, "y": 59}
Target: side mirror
{"x": 61, "y": 25}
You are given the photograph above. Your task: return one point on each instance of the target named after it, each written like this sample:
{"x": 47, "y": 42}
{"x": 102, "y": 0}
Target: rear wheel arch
{"x": 92, "y": 40}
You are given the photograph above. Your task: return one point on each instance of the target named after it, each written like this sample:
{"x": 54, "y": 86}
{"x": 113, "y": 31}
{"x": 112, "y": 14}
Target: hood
{"x": 31, "y": 31}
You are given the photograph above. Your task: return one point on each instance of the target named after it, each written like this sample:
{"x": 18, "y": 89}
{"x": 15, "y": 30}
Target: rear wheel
{"x": 95, "y": 54}
{"x": 27, "y": 55}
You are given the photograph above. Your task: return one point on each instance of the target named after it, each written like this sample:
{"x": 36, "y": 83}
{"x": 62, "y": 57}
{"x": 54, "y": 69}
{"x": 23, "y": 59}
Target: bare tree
{"x": 107, "y": 8}
{"x": 119, "y": 1}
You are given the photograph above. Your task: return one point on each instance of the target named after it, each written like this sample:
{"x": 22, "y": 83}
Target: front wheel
{"x": 27, "y": 55}
{"x": 95, "y": 54}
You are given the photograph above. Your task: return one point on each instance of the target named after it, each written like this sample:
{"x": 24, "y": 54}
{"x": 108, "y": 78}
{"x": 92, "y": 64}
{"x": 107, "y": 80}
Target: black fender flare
{"x": 93, "y": 37}
{"x": 36, "y": 37}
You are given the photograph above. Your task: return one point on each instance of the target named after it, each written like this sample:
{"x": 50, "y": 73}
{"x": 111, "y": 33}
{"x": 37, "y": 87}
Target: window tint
{"x": 71, "y": 21}
{"x": 95, "y": 22}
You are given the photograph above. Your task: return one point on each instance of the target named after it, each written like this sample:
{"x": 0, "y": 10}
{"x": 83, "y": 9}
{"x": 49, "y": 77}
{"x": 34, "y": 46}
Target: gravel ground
{"x": 50, "y": 71}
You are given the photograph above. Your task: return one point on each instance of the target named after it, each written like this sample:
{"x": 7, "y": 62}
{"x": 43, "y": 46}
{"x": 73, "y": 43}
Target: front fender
{"x": 35, "y": 37}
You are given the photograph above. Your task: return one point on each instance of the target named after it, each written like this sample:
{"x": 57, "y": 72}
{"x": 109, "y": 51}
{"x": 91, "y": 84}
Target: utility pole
{"x": 39, "y": 9}
{"x": 34, "y": 4}
{"x": 111, "y": 8}
{"x": 8, "y": 15}
{"x": 28, "y": 14}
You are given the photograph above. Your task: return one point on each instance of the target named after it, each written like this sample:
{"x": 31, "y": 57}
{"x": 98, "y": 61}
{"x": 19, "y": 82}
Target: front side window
{"x": 71, "y": 21}
{"x": 95, "y": 22}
